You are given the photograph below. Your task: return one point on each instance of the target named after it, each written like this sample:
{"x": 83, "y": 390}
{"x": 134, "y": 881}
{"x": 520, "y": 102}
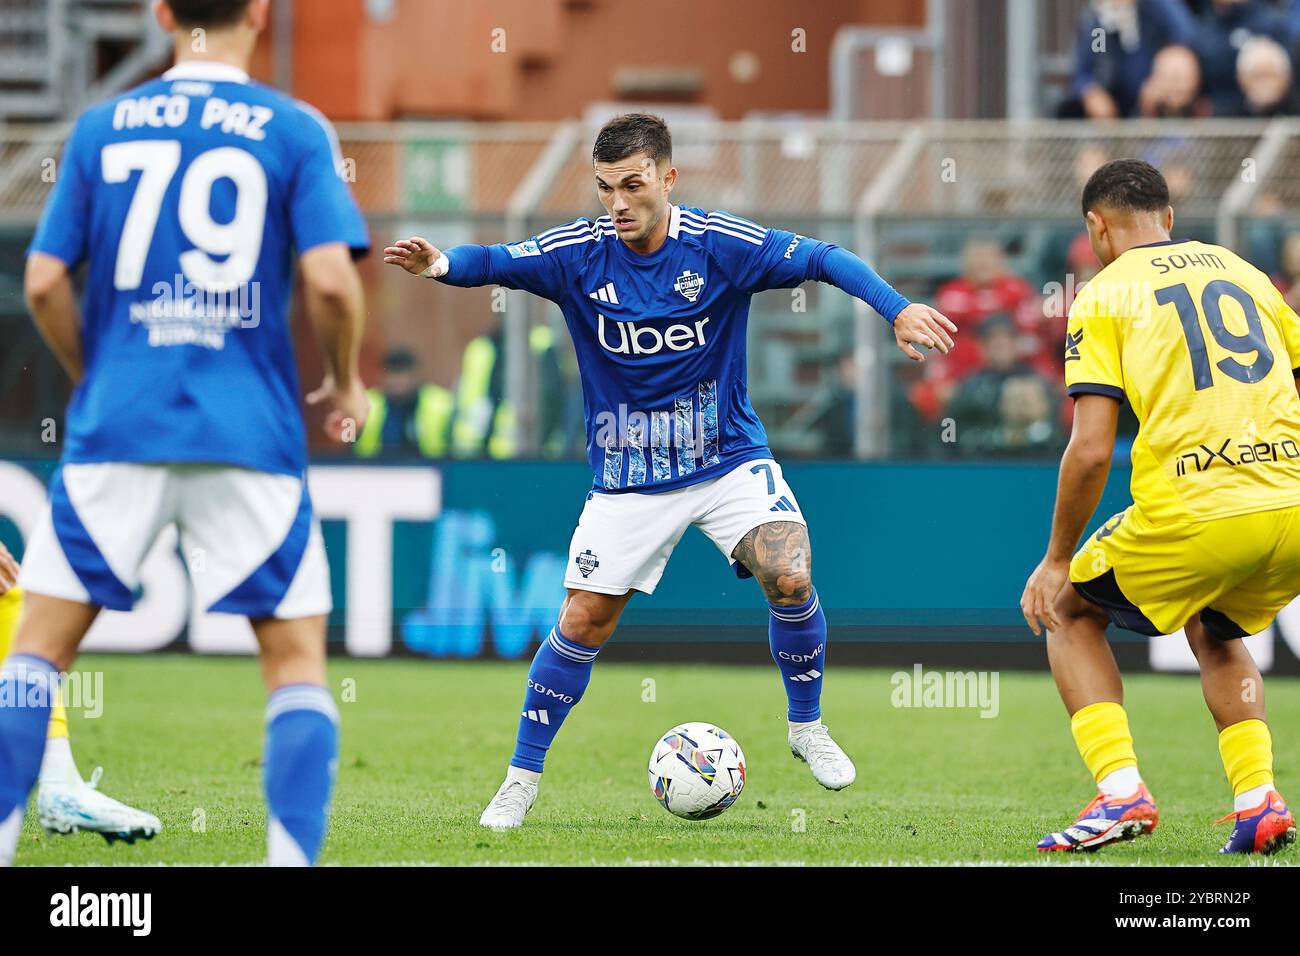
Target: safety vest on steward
{"x": 433, "y": 413}
{"x": 479, "y": 427}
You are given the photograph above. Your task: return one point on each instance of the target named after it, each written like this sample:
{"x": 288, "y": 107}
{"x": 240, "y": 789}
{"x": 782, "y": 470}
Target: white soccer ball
{"x": 697, "y": 770}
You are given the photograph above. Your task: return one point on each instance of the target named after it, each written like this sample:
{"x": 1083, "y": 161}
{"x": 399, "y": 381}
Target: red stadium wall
{"x": 435, "y": 58}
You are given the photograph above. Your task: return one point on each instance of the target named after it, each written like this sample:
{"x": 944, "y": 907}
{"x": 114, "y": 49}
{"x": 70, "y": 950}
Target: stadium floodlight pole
{"x": 56, "y": 48}
{"x": 523, "y": 203}
{"x": 936, "y": 28}
{"x": 1238, "y": 197}
{"x": 850, "y": 41}
{"x": 1022, "y": 59}
{"x": 870, "y": 393}
{"x": 283, "y": 39}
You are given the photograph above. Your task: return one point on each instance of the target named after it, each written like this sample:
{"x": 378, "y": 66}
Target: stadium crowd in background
{"x": 1185, "y": 58}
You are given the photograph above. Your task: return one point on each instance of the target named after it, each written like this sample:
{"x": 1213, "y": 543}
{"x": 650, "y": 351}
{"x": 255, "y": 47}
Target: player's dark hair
{"x": 632, "y": 133}
{"x": 208, "y": 13}
{"x": 1126, "y": 184}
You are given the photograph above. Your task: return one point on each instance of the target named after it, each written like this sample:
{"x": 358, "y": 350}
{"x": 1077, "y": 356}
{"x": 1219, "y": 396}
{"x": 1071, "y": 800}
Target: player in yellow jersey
{"x": 1205, "y": 350}
{"x": 64, "y": 802}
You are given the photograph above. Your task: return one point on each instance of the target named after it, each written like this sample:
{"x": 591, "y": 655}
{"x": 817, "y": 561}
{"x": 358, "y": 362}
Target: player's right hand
{"x": 918, "y": 324}
{"x": 8, "y": 569}
{"x": 1038, "y": 602}
{"x": 415, "y": 255}
{"x": 348, "y": 408}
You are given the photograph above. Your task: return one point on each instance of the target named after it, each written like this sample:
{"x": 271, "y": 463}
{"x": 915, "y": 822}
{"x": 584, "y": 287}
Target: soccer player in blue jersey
{"x": 656, "y": 297}
{"x": 186, "y": 200}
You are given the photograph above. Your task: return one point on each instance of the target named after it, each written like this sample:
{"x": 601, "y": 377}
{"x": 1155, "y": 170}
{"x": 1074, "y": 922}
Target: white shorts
{"x": 623, "y": 541}
{"x": 248, "y": 538}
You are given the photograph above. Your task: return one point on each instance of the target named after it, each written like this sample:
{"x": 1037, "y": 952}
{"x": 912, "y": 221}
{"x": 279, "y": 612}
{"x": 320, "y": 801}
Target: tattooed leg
{"x": 779, "y": 555}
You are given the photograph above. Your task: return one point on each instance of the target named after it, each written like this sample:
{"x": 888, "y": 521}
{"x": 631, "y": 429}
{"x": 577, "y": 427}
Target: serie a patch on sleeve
{"x": 521, "y": 250}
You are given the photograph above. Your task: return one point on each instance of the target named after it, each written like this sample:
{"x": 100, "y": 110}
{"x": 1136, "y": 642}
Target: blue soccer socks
{"x": 302, "y": 748}
{"x": 797, "y": 637}
{"x": 556, "y": 681}
{"x": 28, "y": 685}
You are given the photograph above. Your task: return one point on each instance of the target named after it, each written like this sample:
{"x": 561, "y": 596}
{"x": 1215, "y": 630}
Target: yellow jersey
{"x": 1205, "y": 350}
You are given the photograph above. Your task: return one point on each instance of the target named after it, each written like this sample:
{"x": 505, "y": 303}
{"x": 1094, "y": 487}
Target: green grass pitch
{"x": 425, "y": 745}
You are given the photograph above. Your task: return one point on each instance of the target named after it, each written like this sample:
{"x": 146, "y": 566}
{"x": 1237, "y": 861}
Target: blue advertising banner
{"x": 467, "y": 559}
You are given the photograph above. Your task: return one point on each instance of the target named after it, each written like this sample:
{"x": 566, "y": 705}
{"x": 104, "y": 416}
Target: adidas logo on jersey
{"x": 633, "y": 339}
{"x": 538, "y": 715}
{"x": 806, "y": 676}
{"x": 604, "y": 294}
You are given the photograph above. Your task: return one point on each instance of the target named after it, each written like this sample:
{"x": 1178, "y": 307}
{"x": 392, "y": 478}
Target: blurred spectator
{"x": 474, "y": 420}
{"x": 837, "y": 425}
{"x": 1287, "y": 277}
{"x": 1005, "y": 404}
{"x": 1082, "y": 263}
{"x": 986, "y": 286}
{"x": 1116, "y": 45}
{"x": 838, "y": 422}
{"x": 1264, "y": 75}
{"x": 1173, "y": 90}
{"x": 1223, "y": 29}
{"x": 485, "y": 419}
{"x": 1044, "y": 320}
{"x": 406, "y": 417}
{"x": 1030, "y": 416}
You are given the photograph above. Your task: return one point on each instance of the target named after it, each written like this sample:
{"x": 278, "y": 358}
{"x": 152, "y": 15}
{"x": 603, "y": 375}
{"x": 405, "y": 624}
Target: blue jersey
{"x": 660, "y": 338}
{"x": 187, "y": 198}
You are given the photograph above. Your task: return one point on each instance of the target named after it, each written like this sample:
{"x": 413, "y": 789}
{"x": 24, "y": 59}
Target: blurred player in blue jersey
{"x": 186, "y": 200}
{"x": 656, "y": 297}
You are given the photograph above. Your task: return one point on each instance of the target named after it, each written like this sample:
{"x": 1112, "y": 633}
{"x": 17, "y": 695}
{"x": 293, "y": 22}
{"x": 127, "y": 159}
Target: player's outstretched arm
{"x": 336, "y": 308}
{"x": 786, "y": 259}
{"x": 417, "y": 256}
{"x": 531, "y": 264}
{"x": 47, "y": 287}
{"x": 1084, "y": 467}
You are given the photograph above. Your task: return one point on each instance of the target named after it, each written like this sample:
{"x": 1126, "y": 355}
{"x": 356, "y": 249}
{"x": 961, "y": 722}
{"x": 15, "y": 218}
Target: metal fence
{"x": 906, "y": 196}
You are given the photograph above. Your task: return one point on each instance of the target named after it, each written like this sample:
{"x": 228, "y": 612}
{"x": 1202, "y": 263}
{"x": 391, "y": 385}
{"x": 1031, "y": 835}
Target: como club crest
{"x": 689, "y": 284}
{"x": 586, "y": 563}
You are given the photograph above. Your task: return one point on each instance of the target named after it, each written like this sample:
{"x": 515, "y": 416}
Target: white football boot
{"x": 72, "y": 805}
{"x": 510, "y": 805}
{"x": 830, "y": 765}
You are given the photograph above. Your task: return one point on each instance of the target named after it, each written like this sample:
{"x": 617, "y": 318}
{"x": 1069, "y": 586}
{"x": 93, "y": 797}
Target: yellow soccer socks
{"x": 1102, "y": 736}
{"x": 1247, "y": 751}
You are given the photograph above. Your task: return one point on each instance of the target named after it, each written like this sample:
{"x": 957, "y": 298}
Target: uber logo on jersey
{"x": 689, "y": 284}
{"x": 633, "y": 339}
